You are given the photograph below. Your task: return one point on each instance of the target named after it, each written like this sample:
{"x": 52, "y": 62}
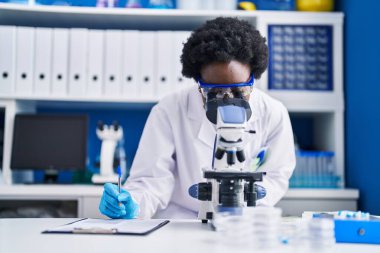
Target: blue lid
{"x": 307, "y": 153}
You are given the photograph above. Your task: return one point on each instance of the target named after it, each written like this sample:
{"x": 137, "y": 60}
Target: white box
{"x": 131, "y": 62}
{"x": 165, "y": 63}
{"x": 42, "y": 61}
{"x": 60, "y": 62}
{"x": 7, "y": 59}
{"x": 95, "y": 61}
{"x": 24, "y": 61}
{"x": 147, "y": 89}
{"x": 113, "y": 63}
{"x": 77, "y": 62}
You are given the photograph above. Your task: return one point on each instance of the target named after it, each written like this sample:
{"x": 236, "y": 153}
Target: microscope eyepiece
{"x": 238, "y": 94}
{"x": 100, "y": 125}
{"x": 115, "y": 125}
{"x": 211, "y": 95}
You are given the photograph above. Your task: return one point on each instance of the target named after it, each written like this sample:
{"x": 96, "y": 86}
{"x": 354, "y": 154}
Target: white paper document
{"x": 116, "y": 226}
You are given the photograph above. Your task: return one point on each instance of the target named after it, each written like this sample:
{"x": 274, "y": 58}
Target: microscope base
{"x": 100, "y": 179}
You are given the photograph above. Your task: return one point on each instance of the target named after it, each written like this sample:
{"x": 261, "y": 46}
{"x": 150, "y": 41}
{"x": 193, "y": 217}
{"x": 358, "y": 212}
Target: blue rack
{"x": 300, "y": 57}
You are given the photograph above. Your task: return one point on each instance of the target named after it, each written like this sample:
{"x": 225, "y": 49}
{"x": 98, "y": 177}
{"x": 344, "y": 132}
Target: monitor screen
{"x": 49, "y": 142}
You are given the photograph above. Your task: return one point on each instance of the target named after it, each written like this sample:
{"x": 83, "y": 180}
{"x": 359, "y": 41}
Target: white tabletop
{"x": 24, "y": 235}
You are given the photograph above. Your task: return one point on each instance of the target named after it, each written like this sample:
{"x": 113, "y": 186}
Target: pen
{"x": 119, "y": 180}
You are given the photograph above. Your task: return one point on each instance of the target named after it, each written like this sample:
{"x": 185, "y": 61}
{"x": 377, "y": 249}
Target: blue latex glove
{"x": 261, "y": 191}
{"x": 118, "y": 205}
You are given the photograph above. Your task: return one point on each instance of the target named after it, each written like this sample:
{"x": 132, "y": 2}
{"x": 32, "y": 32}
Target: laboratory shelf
{"x": 40, "y": 15}
{"x": 54, "y": 191}
{"x": 88, "y": 197}
{"x": 317, "y": 193}
{"x": 298, "y": 101}
{"x": 79, "y": 99}
{"x": 94, "y": 190}
{"x": 309, "y": 101}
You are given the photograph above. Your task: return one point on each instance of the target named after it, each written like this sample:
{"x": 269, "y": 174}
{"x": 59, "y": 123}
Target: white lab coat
{"x": 177, "y": 142}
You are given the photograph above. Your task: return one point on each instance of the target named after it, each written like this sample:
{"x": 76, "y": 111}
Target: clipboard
{"x": 109, "y": 227}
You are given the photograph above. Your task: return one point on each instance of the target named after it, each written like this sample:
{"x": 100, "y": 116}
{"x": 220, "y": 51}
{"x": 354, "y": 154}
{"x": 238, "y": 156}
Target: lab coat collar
{"x": 196, "y": 113}
{"x": 195, "y": 110}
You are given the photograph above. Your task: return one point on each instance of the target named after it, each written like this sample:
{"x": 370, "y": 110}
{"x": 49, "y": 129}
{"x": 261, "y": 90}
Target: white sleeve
{"x": 280, "y": 161}
{"x": 151, "y": 179}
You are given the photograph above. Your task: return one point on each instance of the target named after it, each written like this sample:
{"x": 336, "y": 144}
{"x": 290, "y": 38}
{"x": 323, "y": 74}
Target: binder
{"x": 42, "y": 61}
{"x": 7, "y": 59}
{"x": 130, "y": 61}
{"x": 165, "y": 64}
{"x": 60, "y": 61}
{"x": 112, "y": 70}
{"x": 77, "y": 62}
{"x": 109, "y": 227}
{"x": 95, "y": 60}
{"x": 180, "y": 38}
{"x": 24, "y": 61}
{"x": 147, "y": 89}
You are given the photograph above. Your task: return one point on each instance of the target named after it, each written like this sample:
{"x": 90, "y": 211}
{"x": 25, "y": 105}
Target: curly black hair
{"x": 223, "y": 40}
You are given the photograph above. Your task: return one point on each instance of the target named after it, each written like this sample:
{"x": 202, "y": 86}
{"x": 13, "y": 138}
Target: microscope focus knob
{"x": 201, "y": 191}
{"x": 261, "y": 191}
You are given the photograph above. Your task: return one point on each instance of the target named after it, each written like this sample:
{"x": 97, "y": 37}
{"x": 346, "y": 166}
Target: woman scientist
{"x": 177, "y": 141}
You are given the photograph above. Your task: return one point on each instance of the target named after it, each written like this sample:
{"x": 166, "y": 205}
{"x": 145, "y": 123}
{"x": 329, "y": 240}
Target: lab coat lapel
{"x": 251, "y": 124}
{"x": 207, "y": 132}
{"x": 198, "y": 119}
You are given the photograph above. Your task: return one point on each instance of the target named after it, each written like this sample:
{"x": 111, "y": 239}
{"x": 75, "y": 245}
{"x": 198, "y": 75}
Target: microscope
{"x": 110, "y": 135}
{"x": 228, "y": 187}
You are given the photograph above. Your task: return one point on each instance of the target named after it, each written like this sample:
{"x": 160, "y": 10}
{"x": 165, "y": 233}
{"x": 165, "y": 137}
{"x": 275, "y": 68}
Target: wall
{"x": 362, "y": 90}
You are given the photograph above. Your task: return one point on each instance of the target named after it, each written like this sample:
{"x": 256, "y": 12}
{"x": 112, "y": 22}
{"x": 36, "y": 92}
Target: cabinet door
{"x": 295, "y": 207}
{"x": 90, "y": 208}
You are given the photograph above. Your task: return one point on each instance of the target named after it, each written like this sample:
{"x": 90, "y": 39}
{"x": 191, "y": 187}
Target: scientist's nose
{"x": 227, "y": 95}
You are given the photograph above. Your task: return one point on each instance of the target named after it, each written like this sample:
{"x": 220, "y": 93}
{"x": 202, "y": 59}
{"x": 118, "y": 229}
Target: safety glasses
{"x": 221, "y": 90}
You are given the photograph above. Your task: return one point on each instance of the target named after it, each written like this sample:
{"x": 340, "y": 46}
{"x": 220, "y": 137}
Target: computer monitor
{"x": 49, "y": 142}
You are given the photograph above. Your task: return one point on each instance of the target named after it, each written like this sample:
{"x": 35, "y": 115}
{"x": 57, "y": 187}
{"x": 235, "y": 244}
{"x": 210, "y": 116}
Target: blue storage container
{"x": 280, "y": 5}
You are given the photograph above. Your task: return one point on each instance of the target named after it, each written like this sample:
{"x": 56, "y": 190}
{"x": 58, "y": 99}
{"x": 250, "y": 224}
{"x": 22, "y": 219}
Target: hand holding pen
{"x": 117, "y": 203}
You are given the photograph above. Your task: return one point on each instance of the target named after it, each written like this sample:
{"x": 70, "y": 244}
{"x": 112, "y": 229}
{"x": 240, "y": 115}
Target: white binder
{"x": 95, "y": 61}
{"x": 147, "y": 65}
{"x": 180, "y": 38}
{"x": 60, "y": 61}
{"x": 77, "y": 62}
{"x": 131, "y": 58}
{"x": 165, "y": 64}
{"x": 7, "y": 59}
{"x": 24, "y": 61}
{"x": 42, "y": 61}
{"x": 113, "y": 57}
